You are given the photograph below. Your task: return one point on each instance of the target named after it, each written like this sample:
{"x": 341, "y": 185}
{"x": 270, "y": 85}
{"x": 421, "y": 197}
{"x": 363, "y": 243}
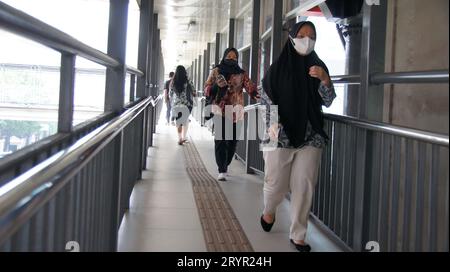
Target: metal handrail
{"x": 56, "y": 69}
{"x": 20, "y": 23}
{"x": 134, "y": 71}
{"x": 416, "y": 134}
{"x": 23, "y": 196}
{"x": 346, "y": 79}
{"x": 440, "y": 76}
{"x": 156, "y": 101}
{"x": 32, "y": 150}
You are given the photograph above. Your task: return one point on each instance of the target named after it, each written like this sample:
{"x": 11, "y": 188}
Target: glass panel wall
{"x": 86, "y": 21}
{"x": 289, "y": 5}
{"x": 265, "y": 53}
{"x": 132, "y": 34}
{"x": 244, "y": 29}
{"x": 331, "y": 50}
{"x": 266, "y": 15}
{"x": 223, "y": 43}
{"x": 242, "y": 4}
{"x": 29, "y": 92}
{"x": 212, "y": 54}
{"x": 90, "y": 81}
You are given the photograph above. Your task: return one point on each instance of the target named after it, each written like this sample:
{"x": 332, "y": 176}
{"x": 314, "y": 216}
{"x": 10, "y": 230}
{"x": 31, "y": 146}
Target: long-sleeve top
{"x": 312, "y": 138}
{"x": 234, "y": 95}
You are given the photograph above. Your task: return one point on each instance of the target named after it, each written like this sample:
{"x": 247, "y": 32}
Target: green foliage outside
{"x": 23, "y": 130}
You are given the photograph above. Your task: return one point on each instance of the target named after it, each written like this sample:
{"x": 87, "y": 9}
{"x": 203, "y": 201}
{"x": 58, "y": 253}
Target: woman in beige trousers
{"x": 298, "y": 84}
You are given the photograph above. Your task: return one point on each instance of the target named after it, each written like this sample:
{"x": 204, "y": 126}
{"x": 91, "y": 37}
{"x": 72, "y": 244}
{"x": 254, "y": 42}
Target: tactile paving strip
{"x": 221, "y": 229}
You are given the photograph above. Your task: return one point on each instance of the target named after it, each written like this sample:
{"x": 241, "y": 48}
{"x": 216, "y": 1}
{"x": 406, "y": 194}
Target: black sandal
{"x": 301, "y": 248}
{"x": 266, "y": 226}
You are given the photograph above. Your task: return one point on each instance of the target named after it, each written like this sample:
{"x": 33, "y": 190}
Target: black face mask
{"x": 230, "y": 62}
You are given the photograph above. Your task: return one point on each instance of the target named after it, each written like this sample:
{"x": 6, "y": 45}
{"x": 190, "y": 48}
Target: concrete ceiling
{"x": 187, "y": 26}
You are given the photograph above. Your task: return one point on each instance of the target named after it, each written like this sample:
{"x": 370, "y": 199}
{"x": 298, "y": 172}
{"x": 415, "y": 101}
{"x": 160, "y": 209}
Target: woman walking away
{"x": 223, "y": 88}
{"x": 299, "y": 84}
{"x": 182, "y": 92}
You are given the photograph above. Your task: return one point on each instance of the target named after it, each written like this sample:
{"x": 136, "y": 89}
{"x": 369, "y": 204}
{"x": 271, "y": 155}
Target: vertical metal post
{"x": 157, "y": 63}
{"x": 66, "y": 93}
{"x": 372, "y": 60}
{"x": 353, "y": 33}
{"x": 255, "y": 39}
{"x": 150, "y": 126}
{"x": 205, "y": 65}
{"x": 146, "y": 9}
{"x": 199, "y": 72}
{"x": 117, "y": 41}
{"x": 360, "y": 187}
{"x": 277, "y": 30}
{"x": 151, "y": 34}
{"x": 231, "y": 28}
{"x": 218, "y": 53}
{"x": 144, "y": 142}
{"x": 117, "y": 191}
{"x": 195, "y": 76}
{"x": 160, "y": 65}
{"x": 145, "y": 50}
{"x": 253, "y": 67}
{"x": 132, "y": 88}
{"x": 154, "y": 59}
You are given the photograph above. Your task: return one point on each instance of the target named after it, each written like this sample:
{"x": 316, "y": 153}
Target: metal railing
{"x": 437, "y": 76}
{"x": 80, "y": 193}
{"x": 24, "y": 159}
{"x": 382, "y": 183}
{"x": 75, "y": 185}
{"x": 22, "y": 24}
{"x": 410, "y": 77}
{"x": 241, "y": 148}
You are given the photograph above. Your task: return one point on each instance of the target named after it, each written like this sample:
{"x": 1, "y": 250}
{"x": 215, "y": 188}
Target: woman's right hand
{"x": 274, "y": 131}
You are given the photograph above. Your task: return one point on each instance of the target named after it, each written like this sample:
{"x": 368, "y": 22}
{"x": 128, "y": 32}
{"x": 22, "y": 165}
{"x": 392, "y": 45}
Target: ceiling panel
{"x": 187, "y": 26}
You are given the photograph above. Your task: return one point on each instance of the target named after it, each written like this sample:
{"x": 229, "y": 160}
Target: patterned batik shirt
{"x": 235, "y": 92}
{"x": 312, "y": 138}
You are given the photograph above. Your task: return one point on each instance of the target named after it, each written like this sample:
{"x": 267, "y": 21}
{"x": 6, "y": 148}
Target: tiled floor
{"x": 163, "y": 216}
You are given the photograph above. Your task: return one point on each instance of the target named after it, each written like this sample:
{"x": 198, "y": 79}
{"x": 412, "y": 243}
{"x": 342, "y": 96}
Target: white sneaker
{"x": 222, "y": 177}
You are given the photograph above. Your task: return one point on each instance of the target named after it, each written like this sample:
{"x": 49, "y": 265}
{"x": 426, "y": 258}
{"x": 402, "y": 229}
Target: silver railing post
{"x": 66, "y": 93}
{"x": 117, "y": 41}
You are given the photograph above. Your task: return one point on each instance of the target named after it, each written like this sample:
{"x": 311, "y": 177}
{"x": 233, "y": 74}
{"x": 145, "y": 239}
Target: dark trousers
{"x": 224, "y": 154}
{"x": 225, "y": 149}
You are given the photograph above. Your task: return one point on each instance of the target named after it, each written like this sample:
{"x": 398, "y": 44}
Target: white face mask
{"x": 303, "y": 46}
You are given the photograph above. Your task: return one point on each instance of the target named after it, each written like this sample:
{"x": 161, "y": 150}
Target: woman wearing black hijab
{"x": 223, "y": 88}
{"x": 299, "y": 84}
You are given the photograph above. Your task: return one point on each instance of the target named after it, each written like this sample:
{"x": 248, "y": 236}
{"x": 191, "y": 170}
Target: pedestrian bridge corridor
{"x": 103, "y": 172}
{"x": 179, "y": 206}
